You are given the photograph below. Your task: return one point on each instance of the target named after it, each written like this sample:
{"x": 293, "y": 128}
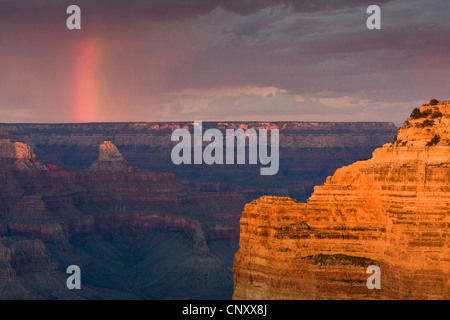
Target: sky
{"x": 228, "y": 60}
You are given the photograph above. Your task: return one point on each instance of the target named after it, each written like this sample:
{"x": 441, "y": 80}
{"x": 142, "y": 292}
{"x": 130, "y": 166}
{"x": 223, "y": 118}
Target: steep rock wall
{"x": 392, "y": 211}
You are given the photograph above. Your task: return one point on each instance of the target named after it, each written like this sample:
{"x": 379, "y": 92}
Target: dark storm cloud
{"x": 300, "y": 52}
{"x": 177, "y": 8}
{"x": 115, "y": 13}
{"x": 201, "y": 58}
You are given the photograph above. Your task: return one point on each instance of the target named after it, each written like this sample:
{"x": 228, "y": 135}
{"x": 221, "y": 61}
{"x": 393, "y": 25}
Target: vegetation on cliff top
{"x": 416, "y": 114}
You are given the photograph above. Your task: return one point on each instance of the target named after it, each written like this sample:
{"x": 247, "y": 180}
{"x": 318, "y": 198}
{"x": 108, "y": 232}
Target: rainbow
{"x": 85, "y": 87}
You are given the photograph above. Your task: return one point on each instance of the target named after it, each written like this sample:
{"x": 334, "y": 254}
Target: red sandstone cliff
{"x": 392, "y": 211}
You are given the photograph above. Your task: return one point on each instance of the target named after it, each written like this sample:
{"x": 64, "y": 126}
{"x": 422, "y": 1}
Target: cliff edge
{"x": 392, "y": 211}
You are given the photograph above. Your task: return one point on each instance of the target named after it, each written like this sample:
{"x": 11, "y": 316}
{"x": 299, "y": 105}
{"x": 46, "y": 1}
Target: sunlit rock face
{"x": 392, "y": 211}
{"x": 15, "y": 150}
{"x": 18, "y": 156}
{"x": 109, "y": 159}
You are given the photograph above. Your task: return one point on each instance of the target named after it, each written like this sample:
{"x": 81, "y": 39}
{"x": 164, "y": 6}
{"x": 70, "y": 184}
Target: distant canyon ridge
{"x": 309, "y": 151}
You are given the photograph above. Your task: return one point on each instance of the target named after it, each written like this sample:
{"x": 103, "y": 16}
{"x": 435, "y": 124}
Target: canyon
{"x": 106, "y": 197}
{"x": 134, "y": 233}
{"x": 309, "y": 151}
{"x": 392, "y": 211}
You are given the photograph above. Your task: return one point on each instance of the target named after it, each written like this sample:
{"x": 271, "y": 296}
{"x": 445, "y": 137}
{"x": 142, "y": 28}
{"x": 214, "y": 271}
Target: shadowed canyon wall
{"x": 309, "y": 151}
{"x": 134, "y": 233}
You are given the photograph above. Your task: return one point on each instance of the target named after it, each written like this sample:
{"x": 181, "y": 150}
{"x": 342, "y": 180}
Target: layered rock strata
{"x": 392, "y": 211}
{"x": 18, "y": 156}
{"x": 309, "y": 151}
{"x": 135, "y": 233}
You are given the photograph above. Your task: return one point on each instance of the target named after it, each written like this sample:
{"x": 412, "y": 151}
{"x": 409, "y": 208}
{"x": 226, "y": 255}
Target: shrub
{"x": 435, "y": 140}
{"x": 426, "y": 113}
{"x": 433, "y": 102}
{"x": 415, "y": 114}
{"x": 437, "y": 114}
{"x": 425, "y": 123}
